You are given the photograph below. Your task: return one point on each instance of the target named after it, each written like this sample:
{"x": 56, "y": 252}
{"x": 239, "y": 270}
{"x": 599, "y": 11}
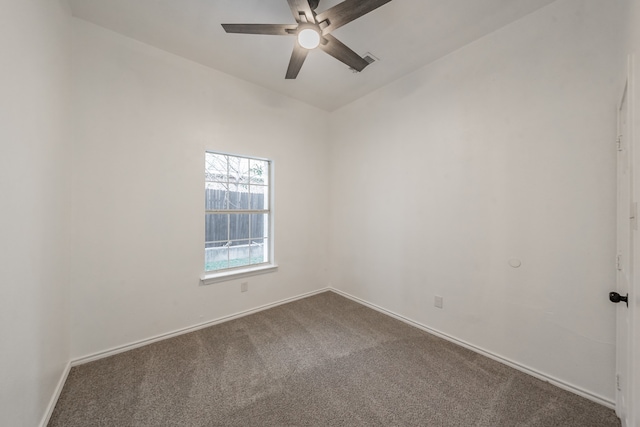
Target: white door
{"x": 626, "y": 223}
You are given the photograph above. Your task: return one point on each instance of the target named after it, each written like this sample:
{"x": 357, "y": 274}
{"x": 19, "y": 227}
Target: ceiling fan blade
{"x": 297, "y": 59}
{"x": 299, "y": 7}
{"x": 347, "y": 11}
{"x": 341, "y": 52}
{"x": 270, "y": 29}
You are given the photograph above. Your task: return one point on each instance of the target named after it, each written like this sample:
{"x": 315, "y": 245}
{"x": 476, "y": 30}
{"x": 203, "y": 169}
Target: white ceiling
{"x": 404, "y": 34}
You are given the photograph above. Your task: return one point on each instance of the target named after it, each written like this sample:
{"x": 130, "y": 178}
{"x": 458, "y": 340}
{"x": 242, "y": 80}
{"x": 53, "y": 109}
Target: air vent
{"x": 370, "y": 58}
{"x": 367, "y": 57}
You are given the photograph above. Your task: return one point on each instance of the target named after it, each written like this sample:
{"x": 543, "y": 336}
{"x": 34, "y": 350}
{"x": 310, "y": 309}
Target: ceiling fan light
{"x": 309, "y": 38}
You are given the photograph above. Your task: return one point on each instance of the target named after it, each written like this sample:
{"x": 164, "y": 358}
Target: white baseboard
{"x": 56, "y": 396}
{"x": 147, "y": 341}
{"x": 527, "y": 370}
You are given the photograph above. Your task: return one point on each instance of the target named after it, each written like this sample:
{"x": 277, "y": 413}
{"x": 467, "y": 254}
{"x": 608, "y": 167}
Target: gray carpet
{"x": 320, "y": 361}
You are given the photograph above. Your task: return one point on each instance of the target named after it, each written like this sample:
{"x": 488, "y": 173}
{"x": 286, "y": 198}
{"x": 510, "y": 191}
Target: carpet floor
{"x": 320, "y": 361}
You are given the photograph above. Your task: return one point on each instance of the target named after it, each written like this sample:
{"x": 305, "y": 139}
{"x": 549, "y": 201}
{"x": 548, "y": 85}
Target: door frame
{"x": 625, "y": 249}
{"x": 633, "y": 362}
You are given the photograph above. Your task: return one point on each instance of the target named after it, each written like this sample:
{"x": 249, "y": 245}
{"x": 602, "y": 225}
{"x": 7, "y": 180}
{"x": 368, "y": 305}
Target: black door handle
{"x": 616, "y": 297}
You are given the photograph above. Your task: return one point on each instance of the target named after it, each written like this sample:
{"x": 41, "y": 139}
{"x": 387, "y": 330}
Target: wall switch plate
{"x": 437, "y": 301}
{"x": 244, "y": 286}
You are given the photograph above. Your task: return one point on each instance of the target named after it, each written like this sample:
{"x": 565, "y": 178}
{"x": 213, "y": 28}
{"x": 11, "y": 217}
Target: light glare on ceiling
{"x": 309, "y": 38}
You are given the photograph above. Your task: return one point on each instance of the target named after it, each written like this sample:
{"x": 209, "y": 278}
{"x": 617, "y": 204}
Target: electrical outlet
{"x": 437, "y": 301}
{"x": 244, "y": 286}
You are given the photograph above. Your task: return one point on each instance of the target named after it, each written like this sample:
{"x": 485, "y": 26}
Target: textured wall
{"x": 143, "y": 121}
{"x": 34, "y": 217}
{"x": 510, "y": 144}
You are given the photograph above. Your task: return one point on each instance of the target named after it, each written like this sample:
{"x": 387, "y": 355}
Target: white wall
{"x": 143, "y": 120}
{"x": 34, "y": 186}
{"x": 503, "y": 149}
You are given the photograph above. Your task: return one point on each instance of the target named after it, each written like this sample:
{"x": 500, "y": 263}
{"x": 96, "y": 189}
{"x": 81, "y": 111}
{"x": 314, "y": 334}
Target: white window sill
{"x": 209, "y": 278}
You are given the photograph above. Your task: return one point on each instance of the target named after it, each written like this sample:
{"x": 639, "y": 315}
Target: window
{"x": 237, "y": 214}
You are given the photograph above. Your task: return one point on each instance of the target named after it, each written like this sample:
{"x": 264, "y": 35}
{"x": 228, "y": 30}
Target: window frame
{"x": 230, "y": 273}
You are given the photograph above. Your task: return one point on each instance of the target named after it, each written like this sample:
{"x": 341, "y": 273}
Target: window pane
{"x": 259, "y": 172}
{"x": 216, "y": 228}
{"x": 216, "y": 195}
{"x": 238, "y": 196}
{"x": 259, "y": 252}
{"x": 239, "y": 253}
{"x": 216, "y": 167}
{"x": 238, "y": 170}
{"x": 216, "y": 256}
{"x": 259, "y": 226}
{"x": 259, "y": 197}
{"x": 239, "y": 227}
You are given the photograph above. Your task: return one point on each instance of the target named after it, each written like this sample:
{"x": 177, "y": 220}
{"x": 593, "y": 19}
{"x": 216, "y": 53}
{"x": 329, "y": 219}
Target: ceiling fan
{"x": 313, "y": 30}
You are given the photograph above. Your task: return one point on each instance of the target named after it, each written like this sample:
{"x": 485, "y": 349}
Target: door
{"x": 626, "y": 223}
